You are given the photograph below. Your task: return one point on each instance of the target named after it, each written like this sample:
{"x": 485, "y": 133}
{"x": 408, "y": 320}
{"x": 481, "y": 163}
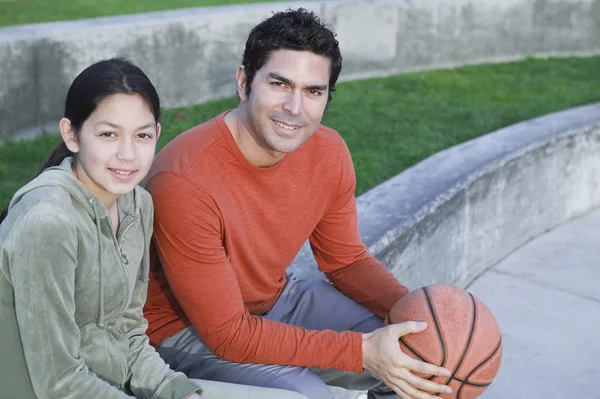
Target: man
{"x": 235, "y": 199}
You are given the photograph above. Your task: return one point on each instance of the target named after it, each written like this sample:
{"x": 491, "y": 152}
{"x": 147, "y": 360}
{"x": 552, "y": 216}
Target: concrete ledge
{"x": 457, "y": 213}
{"x": 191, "y": 54}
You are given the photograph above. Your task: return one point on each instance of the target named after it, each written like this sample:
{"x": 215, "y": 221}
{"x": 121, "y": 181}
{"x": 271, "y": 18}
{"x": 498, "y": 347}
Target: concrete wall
{"x": 454, "y": 215}
{"x": 191, "y": 55}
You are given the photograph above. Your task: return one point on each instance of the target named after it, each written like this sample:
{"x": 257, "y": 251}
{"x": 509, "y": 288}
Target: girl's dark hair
{"x": 298, "y": 30}
{"x": 90, "y": 87}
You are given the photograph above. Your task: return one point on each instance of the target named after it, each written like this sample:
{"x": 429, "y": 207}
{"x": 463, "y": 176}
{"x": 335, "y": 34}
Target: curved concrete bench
{"x": 191, "y": 54}
{"x": 457, "y": 213}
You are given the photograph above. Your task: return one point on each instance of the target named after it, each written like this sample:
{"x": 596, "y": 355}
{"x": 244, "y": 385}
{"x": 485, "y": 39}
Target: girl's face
{"x": 115, "y": 147}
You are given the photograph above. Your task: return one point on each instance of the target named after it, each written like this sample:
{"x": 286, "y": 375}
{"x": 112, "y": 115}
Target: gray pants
{"x": 312, "y": 304}
{"x": 226, "y": 390}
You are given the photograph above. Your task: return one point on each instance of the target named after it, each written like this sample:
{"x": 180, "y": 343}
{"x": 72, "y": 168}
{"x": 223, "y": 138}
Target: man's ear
{"x": 158, "y": 128}
{"x": 68, "y": 135}
{"x": 242, "y": 81}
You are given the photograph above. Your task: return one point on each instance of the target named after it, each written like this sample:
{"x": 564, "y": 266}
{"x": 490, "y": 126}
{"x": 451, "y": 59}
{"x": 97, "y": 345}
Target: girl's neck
{"x": 107, "y": 199}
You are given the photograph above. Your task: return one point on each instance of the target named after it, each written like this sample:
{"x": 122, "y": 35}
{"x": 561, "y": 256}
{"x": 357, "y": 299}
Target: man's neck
{"x": 249, "y": 144}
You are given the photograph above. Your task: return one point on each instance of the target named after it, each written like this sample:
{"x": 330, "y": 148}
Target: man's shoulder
{"x": 327, "y": 133}
{"x": 183, "y": 153}
{"x": 327, "y": 141}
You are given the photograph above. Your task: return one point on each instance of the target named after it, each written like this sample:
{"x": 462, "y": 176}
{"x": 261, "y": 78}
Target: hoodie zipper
{"x": 124, "y": 258}
{"x": 129, "y": 293}
{"x": 121, "y": 231}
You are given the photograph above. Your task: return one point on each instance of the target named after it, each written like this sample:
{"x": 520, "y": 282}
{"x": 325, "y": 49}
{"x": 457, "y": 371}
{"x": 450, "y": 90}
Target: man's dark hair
{"x": 298, "y": 30}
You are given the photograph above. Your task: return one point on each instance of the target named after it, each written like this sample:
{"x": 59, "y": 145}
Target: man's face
{"x": 287, "y": 100}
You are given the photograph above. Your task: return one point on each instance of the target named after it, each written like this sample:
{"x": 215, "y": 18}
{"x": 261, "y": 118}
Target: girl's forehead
{"x": 122, "y": 110}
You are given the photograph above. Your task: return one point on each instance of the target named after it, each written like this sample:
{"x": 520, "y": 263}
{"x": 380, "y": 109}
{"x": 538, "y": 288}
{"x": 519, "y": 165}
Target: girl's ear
{"x": 68, "y": 135}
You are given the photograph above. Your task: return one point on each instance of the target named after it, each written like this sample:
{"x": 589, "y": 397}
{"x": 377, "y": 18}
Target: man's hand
{"x": 384, "y": 359}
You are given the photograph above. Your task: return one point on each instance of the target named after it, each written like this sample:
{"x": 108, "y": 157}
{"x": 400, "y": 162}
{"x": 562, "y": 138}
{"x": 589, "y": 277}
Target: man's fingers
{"x": 413, "y": 392}
{"x": 408, "y": 327}
{"x": 425, "y": 368}
{"x": 426, "y": 385}
{"x": 398, "y": 390}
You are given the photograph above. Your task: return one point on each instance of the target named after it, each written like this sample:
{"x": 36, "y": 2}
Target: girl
{"x": 74, "y": 253}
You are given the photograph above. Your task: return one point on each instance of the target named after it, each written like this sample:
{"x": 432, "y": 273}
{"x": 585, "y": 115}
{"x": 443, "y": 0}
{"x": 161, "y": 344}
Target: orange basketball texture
{"x": 461, "y": 335}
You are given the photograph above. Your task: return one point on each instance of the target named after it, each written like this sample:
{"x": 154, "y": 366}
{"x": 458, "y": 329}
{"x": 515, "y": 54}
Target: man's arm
{"x": 341, "y": 255}
{"x": 189, "y": 239}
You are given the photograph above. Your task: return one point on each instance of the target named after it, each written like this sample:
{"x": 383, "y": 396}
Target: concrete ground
{"x": 546, "y": 299}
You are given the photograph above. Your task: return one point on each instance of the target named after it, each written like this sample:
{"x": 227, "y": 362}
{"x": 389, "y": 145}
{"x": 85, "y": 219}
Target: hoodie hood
{"x": 62, "y": 176}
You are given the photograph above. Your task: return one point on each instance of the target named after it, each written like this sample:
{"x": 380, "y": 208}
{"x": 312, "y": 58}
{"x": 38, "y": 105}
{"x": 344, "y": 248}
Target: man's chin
{"x": 289, "y": 145}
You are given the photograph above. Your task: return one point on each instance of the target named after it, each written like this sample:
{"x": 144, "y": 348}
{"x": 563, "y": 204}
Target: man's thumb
{"x": 408, "y": 327}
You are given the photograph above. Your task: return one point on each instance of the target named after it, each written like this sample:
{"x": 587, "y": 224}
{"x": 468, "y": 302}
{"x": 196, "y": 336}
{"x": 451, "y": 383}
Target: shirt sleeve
{"x": 343, "y": 257}
{"x": 189, "y": 239}
{"x": 150, "y": 376}
{"x": 43, "y": 279}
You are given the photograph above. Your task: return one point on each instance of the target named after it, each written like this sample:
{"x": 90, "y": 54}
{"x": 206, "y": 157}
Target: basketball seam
{"x": 402, "y": 340}
{"x": 467, "y": 346}
{"x": 437, "y": 326}
{"x": 470, "y": 383}
{"x": 482, "y": 363}
{"x": 413, "y": 350}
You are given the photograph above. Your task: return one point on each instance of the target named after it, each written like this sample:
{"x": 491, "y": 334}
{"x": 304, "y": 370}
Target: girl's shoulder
{"x": 37, "y": 220}
{"x": 47, "y": 204}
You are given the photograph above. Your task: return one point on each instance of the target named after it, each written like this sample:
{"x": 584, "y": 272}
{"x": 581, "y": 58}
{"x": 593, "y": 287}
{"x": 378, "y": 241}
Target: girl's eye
{"x": 108, "y": 134}
{"x": 145, "y": 136}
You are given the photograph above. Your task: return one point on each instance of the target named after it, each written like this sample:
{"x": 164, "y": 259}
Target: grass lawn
{"x": 393, "y": 123}
{"x": 14, "y": 12}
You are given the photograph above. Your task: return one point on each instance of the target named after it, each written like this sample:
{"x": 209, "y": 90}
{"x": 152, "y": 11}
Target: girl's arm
{"x": 42, "y": 273}
{"x": 150, "y": 376}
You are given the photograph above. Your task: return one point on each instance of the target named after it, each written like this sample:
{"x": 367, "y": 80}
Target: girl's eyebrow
{"x": 146, "y": 126}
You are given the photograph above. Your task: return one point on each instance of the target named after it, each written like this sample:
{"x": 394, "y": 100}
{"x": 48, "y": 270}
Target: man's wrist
{"x": 365, "y": 353}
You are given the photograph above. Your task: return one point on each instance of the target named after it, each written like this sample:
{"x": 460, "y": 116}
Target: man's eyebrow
{"x": 316, "y": 87}
{"x": 275, "y": 76}
{"x": 287, "y": 81}
{"x": 103, "y": 122}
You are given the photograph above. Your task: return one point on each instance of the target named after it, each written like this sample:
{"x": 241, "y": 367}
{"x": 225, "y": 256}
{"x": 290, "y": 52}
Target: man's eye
{"x": 108, "y": 134}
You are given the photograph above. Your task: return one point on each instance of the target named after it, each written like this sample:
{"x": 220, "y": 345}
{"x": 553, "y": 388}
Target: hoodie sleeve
{"x": 150, "y": 376}
{"x": 43, "y": 278}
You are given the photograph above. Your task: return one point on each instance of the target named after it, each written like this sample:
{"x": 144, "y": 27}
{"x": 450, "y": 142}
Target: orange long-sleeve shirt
{"x": 225, "y": 231}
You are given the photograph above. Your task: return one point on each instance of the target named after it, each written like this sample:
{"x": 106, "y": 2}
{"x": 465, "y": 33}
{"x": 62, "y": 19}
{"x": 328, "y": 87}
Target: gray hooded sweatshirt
{"x": 71, "y": 296}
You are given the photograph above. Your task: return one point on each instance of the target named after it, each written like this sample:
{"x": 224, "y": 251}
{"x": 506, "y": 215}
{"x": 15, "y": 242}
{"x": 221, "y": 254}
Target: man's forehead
{"x": 302, "y": 67}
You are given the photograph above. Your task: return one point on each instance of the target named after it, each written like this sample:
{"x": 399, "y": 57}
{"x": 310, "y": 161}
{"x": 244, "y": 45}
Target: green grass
{"x": 393, "y": 123}
{"x": 14, "y": 12}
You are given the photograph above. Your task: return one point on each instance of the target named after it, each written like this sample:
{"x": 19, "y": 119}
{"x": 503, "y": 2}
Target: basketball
{"x": 461, "y": 335}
